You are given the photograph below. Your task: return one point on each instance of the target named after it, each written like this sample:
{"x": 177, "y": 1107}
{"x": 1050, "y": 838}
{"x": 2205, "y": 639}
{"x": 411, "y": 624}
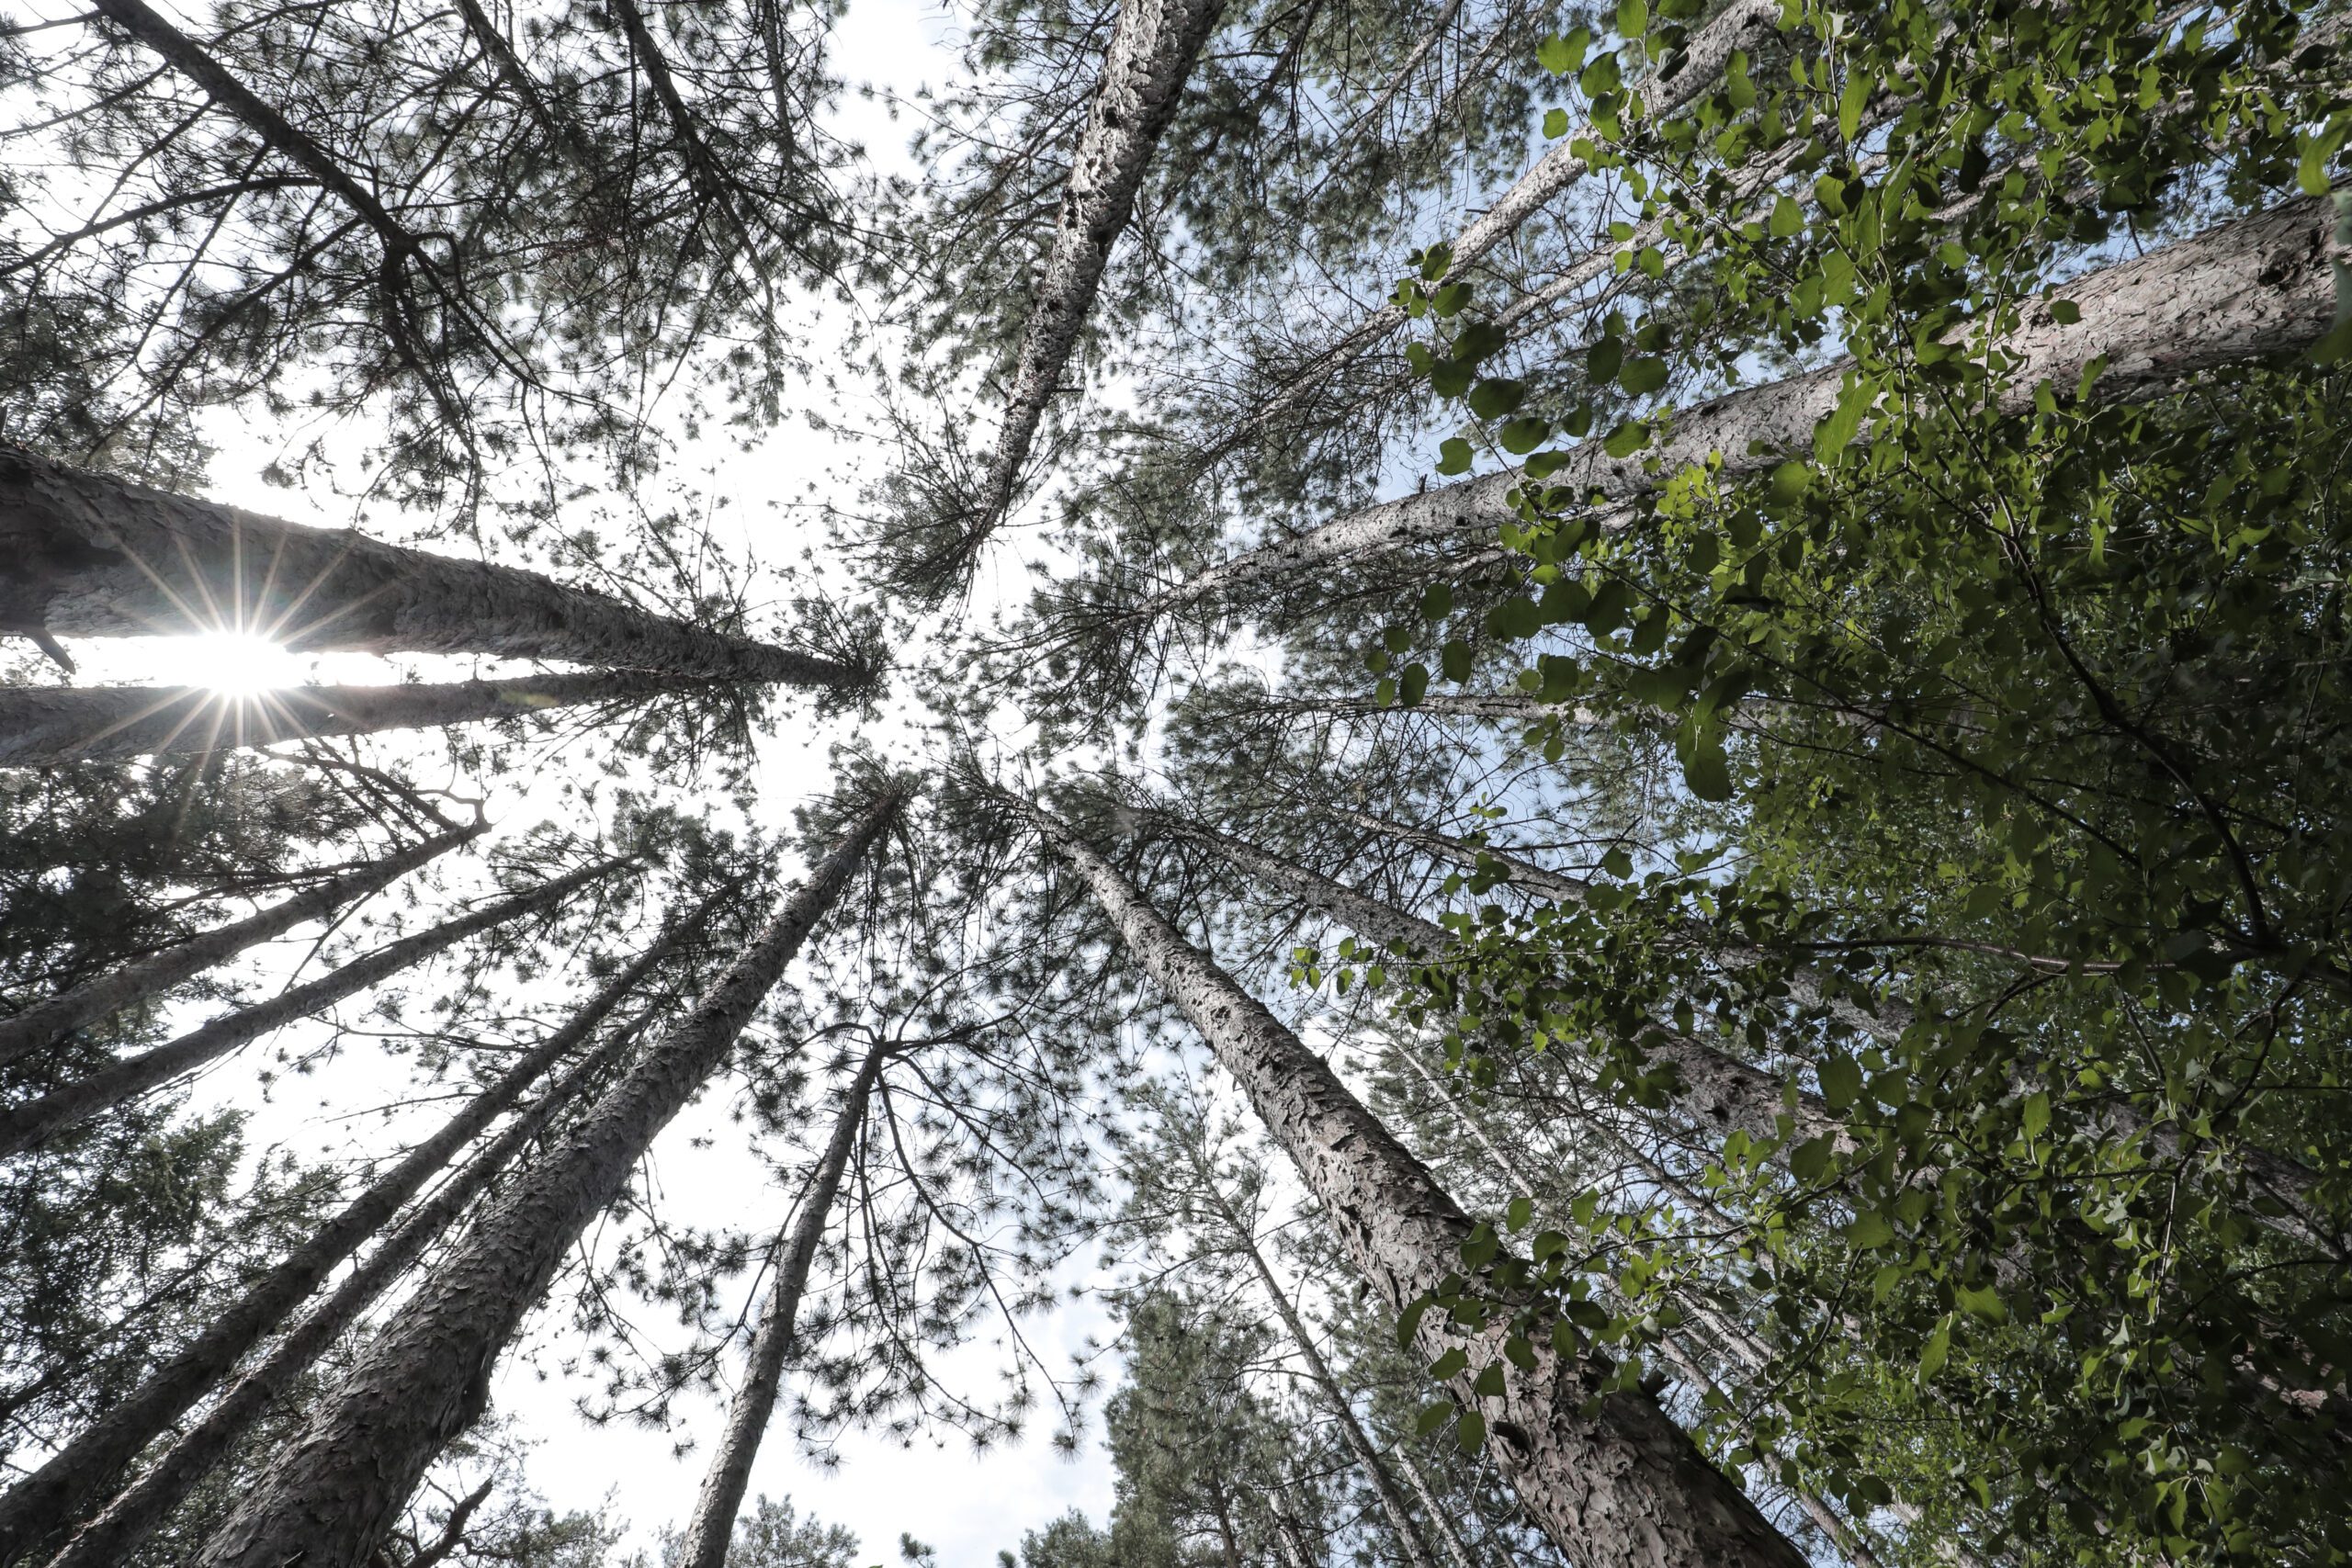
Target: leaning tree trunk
{"x": 1153, "y": 45}
{"x": 2259, "y": 287}
{"x": 721, "y": 1498}
{"x": 25, "y": 1125}
{"x": 45, "y": 1023}
{"x": 1718, "y": 1094}
{"x": 328, "y": 1500}
{"x": 63, "y": 1489}
{"x": 140, "y": 1511}
{"x": 96, "y": 556}
{"x": 1699, "y": 66}
{"x": 40, "y": 725}
{"x": 1606, "y": 1474}
{"x": 1409, "y": 1534}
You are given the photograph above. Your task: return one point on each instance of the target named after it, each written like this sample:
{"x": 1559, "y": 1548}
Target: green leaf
{"x": 1602, "y": 360}
{"x": 1643, "y": 377}
{"x": 1841, "y": 1081}
{"x": 1409, "y": 1322}
{"x": 1555, "y": 123}
{"x": 1453, "y": 456}
{"x": 1453, "y": 660}
{"x": 1633, "y": 19}
{"x": 2034, "y": 1115}
{"x": 1437, "y": 602}
{"x": 1470, "y": 1431}
{"x": 1837, "y": 432}
{"x": 1494, "y": 398}
{"x": 1850, "y": 104}
{"x": 1790, "y": 481}
{"x": 1560, "y": 55}
{"x": 1414, "y": 684}
{"x": 1708, "y": 774}
{"x": 1937, "y": 1350}
{"x": 1983, "y": 1302}
{"x": 1870, "y": 1229}
{"x": 1519, "y": 1212}
{"x": 1524, "y": 434}
{"x": 1627, "y": 439}
{"x": 1431, "y": 1418}
{"x": 1452, "y": 1361}
{"x": 2065, "y": 312}
{"x": 1787, "y": 218}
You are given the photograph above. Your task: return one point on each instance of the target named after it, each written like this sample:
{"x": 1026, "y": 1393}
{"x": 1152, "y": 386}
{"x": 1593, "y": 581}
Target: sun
{"x": 232, "y": 662}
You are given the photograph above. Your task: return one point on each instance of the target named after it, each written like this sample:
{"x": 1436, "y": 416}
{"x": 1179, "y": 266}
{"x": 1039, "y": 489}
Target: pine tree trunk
{"x": 1153, "y": 45}
{"x": 1618, "y": 1487}
{"x": 25, "y": 1125}
{"x": 721, "y": 1498}
{"x": 45, "y": 1023}
{"x": 335, "y": 1492}
{"x": 63, "y": 1490}
{"x": 2258, "y": 288}
{"x": 96, "y": 556}
{"x": 42, "y": 726}
{"x": 140, "y": 1511}
{"x": 1457, "y": 1551}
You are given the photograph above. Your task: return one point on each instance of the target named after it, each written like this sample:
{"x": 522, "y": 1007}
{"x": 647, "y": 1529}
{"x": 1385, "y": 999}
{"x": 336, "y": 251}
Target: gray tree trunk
{"x": 45, "y": 1023}
{"x": 115, "y": 1534}
{"x": 40, "y": 725}
{"x": 1700, "y": 66}
{"x": 63, "y": 1490}
{"x": 2259, "y": 287}
{"x": 1617, "y": 1487}
{"x": 333, "y": 1494}
{"x": 1153, "y": 45}
{"x": 94, "y": 555}
{"x": 25, "y": 1125}
{"x": 723, "y": 1485}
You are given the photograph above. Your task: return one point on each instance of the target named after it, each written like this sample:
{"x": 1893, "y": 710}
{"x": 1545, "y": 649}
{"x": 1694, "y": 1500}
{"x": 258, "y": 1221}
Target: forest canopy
{"x": 1490, "y": 784}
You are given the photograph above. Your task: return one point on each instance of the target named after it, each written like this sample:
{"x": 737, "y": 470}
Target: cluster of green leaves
{"x": 2003, "y": 715}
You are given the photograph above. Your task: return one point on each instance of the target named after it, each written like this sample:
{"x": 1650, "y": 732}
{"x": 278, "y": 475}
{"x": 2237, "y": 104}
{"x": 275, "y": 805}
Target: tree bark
{"x": 1617, "y": 1487}
{"x": 1153, "y": 46}
{"x": 40, "y": 725}
{"x": 115, "y": 1534}
{"x": 24, "y": 1125}
{"x": 723, "y": 1485}
{"x": 334, "y": 1490}
{"x": 45, "y": 1023}
{"x": 61, "y": 1491}
{"x": 2259, "y": 287}
{"x": 96, "y": 556}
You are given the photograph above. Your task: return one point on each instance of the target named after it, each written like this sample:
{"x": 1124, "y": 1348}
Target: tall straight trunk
{"x": 1517, "y": 1176}
{"x": 45, "y": 725}
{"x": 1457, "y": 1551}
{"x": 333, "y": 1492}
{"x": 1318, "y": 1372}
{"x": 1719, "y": 1094}
{"x": 141, "y": 1509}
{"x": 1700, "y": 66}
{"x": 2260, "y": 288}
{"x": 1617, "y": 1487}
{"x": 721, "y": 1498}
{"x": 96, "y": 556}
{"x": 1153, "y": 46}
{"x": 23, "y": 1126}
{"x": 145, "y": 979}
{"x": 63, "y": 1490}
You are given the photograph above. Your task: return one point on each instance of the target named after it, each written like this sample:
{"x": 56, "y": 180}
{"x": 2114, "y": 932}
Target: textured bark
{"x": 1153, "y": 45}
{"x": 335, "y": 1490}
{"x": 45, "y": 725}
{"x": 2260, "y": 288}
{"x": 47, "y": 1022}
{"x": 1700, "y": 66}
{"x": 1457, "y": 1551}
{"x": 113, "y": 1535}
{"x": 23, "y": 1126}
{"x": 723, "y": 1485}
{"x": 1619, "y": 1485}
{"x": 96, "y": 556}
{"x": 63, "y": 1490}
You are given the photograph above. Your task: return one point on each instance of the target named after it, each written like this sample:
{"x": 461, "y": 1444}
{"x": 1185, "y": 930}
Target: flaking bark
{"x": 334, "y": 1493}
{"x": 47, "y": 1022}
{"x": 96, "y": 556}
{"x": 1606, "y": 1476}
{"x": 62, "y": 1489}
{"x": 40, "y": 725}
{"x": 24, "y": 1127}
{"x": 729, "y": 1476}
